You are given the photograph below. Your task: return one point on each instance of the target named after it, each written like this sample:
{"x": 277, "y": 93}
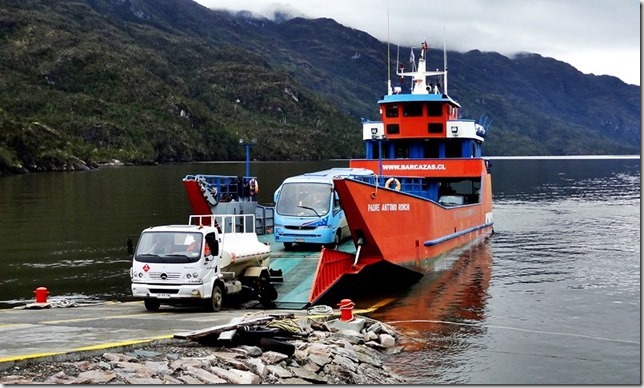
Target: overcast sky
{"x": 595, "y": 36}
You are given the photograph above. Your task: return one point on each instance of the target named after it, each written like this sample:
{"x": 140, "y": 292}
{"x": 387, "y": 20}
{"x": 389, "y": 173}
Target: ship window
{"x": 434, "y": 109}
{"x": 412, "y": 110}
{"x": 453, "y": 149}
{"x": 402, "y": 152}
{"x": 391, "y": 111}
{"x": 393, "y": 129}
{"x": 435, "y": 128}
{"x": 430, "y": 150}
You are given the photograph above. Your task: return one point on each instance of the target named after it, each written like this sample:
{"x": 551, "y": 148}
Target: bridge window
{"x": 391, "y": 110}
{"x": 435, "y": 128}
{"x": 393, "y": 129}
{"x": 434, "y": 109}
{"x": 412, "y": 110}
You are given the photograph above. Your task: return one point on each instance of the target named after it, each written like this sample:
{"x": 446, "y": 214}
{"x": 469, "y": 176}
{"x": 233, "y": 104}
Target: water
{"x": 553, "y": 297}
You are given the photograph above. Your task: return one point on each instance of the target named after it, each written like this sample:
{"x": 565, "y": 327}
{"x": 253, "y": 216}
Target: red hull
{"x": 401, "y": 229}
{"x": 405, "y": 229}
{"x": 196, "y": 198}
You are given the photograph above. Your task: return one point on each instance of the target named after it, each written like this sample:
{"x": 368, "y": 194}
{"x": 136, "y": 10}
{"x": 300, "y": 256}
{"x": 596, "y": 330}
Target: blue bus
{"x": 307, "y": 208}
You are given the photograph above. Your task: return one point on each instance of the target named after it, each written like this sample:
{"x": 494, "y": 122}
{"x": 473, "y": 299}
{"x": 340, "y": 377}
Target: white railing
{"x": 226, "y": 223}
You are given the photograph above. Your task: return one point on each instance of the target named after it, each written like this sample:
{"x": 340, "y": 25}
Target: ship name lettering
{"x": 373, "y": 207}
{"x": 404, "y": 207}
{"x": 386, "y": 207}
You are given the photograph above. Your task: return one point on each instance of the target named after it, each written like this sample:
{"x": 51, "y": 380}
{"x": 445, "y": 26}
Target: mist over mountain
{"x": 146, "y": 81}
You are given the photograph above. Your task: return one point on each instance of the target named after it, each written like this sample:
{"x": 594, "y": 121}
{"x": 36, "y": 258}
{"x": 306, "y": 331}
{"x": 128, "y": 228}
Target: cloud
{"x": 595, "y": 36}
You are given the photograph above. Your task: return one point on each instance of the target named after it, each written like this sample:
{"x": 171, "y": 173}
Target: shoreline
{"x": 309, "y": 351}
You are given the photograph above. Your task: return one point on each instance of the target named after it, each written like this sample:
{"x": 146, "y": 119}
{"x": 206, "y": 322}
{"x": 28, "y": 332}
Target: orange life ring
{"x": 396, "y": 183}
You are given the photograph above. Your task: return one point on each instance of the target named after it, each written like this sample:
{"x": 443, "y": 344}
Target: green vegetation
{"x": 146, "y": 81}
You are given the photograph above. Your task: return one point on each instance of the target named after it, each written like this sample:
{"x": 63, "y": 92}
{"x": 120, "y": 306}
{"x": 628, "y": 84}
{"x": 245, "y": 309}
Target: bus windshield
{"x": 304, "y": 199}
{"x": 168, "y": 247}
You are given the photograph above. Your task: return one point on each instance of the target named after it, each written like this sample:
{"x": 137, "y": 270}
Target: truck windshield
{"x": 304, "y": 199}
{"x": 168, "y": 247}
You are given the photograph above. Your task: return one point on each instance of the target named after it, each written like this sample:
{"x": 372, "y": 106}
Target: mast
{"x": 444, "y": 64}
{"x": 389, "y": 91}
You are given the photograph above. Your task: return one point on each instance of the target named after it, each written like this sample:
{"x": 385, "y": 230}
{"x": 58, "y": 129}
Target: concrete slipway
{"x": 60, "y": 332}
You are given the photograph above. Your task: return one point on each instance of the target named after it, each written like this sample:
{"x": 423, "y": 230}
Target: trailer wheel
{"x": 216, "y": 299}
{"x": 266, "y": 291}
{"x": 152, "y": 304}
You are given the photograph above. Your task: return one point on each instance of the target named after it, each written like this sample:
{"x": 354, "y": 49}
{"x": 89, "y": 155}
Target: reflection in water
{"x": 441, "y": 313}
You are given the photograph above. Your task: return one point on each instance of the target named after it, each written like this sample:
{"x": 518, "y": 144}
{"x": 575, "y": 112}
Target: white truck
{"x": 210, "y": 259}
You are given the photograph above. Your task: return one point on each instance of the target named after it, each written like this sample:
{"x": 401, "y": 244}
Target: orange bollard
{"x": 41, "y": 294}
{"x": 346, "y": 310}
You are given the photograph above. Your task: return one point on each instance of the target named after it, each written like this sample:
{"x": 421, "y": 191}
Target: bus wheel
{"x": 152, "y": 304}
{"x": 216, "y": 300}
{"x": 336, "y": 241}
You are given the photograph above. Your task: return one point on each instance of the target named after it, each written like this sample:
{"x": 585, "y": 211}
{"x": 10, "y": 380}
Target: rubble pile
{"x": 309, "y": 352}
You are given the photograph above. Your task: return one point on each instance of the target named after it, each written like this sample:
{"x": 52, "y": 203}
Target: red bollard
{"x": 41, "y": 294}
{"x": 346, "y": 310}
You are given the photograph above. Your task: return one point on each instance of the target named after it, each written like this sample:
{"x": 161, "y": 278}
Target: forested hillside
{"x": 145, "y": 81}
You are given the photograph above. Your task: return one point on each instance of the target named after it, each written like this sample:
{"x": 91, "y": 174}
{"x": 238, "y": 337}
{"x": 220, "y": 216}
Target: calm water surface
{"x": 553, "y": 297}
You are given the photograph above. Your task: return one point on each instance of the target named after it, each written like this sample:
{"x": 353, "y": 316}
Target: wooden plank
{"x": 228, "y": 334}
{"x": 222, "y": 328}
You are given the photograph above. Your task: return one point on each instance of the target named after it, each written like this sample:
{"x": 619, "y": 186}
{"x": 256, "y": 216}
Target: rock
{"x": 143, "y": 380}
{"x": 204, "y": 376}
{"x": 252, "y": 351}
{"x": 271, "y": 357}
{"x": 236, "y": 376}
{"x": 279, "y": 371}
{"x": 308, "y": 375}
{"x": 387, "y": 340}
{"x": 95, "y": 377}
{"x": 340, "y": 357}
{"x": 257, "y": 366}
{"x": 295, "y": 381}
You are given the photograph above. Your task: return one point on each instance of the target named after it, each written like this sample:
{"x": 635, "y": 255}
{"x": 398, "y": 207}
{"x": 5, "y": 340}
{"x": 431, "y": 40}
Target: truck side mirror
{"x": 213, "y": 244}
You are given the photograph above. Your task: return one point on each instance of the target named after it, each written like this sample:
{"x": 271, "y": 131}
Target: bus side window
{"x": 336, "y": 202}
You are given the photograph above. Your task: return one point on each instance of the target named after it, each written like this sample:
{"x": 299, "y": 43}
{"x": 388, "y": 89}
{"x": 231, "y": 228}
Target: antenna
{"x": 388, "y": 55}
{"x": 444, "y": 54}
{"x": 444, "y": 63}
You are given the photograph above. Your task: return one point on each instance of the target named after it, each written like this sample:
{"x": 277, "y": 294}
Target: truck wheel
{"x": 216, "y": 299}
{"x": 288, "y": 246}
{"x": 152, "y": 304}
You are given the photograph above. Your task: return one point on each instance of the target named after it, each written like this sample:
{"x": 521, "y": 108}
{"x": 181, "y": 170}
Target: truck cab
{"x": 207, "y": 260}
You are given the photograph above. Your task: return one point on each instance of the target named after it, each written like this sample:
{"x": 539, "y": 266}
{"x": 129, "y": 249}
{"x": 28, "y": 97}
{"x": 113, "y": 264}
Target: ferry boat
{"x": 433, "y": 189}
{"x": 228, "y": 194}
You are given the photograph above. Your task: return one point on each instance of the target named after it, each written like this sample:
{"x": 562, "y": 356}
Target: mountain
{"x": 144, "y": 81}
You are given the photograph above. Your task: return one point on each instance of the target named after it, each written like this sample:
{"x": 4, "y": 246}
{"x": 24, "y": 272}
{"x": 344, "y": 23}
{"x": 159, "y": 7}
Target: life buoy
{"x": 253, "y": 186}
{"x": 396, "y": 183}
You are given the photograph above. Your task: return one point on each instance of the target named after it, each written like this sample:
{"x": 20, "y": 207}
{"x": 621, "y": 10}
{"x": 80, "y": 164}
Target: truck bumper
{"x": 171, "y": 292}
